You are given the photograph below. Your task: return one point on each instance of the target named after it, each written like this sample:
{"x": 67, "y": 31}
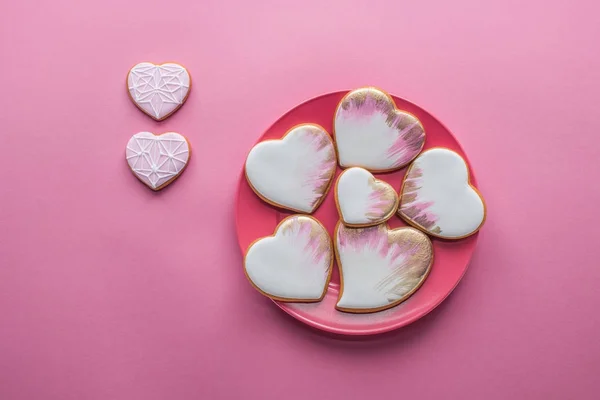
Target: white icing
{"x": 158, "y": 90}
{"x": 360, "y": 203}
{"x": 445, "y": 183}
{"x": 293, "y": 172}
{"x": 292, "y": 265}
{"x": 157, "y": 159}
{"x": 356, "y": 148}
{"x": 377, "y": 274}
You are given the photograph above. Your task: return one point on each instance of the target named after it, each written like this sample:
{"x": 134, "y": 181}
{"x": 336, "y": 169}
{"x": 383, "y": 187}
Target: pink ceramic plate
{"x": 255, "y": 219}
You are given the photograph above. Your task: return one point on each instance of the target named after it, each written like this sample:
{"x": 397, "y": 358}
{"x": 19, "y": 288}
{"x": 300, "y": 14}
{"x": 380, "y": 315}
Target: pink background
{"x": 108, "y": 291}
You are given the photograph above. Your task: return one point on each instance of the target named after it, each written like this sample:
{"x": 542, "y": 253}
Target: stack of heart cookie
{"x": 379, "y": 267}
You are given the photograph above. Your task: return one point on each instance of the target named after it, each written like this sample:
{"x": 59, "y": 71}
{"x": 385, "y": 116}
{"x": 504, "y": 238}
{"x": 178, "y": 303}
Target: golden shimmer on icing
{"x": 417, "y": 263}
{"x": 328, "y": 163}
{"x": 411, "y": 208}
{"x": 322, "y": 242}
{"x": 383, "y": 103}
{"x": 386, "y": 201}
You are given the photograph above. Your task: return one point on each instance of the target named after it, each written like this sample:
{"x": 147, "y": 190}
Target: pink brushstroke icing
{"x": 303, "y": 232}
{"x": 375, "y": 238}
{"x": 378, "y": 204}
{"x": 406, "y": 145}
{"x": 320, "y": 176}
{"x": 421, "y": 210}
{"x": 412, "y": 207}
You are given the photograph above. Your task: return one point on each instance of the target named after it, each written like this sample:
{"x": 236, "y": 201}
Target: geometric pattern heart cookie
{"x": 370, "y": 132}
{"x": 158, "y": 90}
{"x": 295, "y": 172}
{"x": 379, "y": 267}
{"x": 157, "y": 160}
{"x": 363, "y": 200}
{"x": 437, "y": 197}
{"x": 294, "y": 264}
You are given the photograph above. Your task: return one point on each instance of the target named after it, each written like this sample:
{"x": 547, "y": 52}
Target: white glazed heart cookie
{"x": 379, "y": 267}
{"x": 363, "y": 200}
{"x": 437, "y": 197}
{"x": 295, "y": 172}
{"x": 294, "y": 264}
{"x": 158, "y": 90}
{"x": 157, "y": 160}
{"x": 370, "y": 132}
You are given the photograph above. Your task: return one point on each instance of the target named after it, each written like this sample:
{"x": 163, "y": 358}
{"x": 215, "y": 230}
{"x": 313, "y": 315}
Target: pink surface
{"x": 256, "y": 219}
{"x": 110, "y": 291}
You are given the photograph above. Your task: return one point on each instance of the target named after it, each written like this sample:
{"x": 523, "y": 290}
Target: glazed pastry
{"x": 157, "y": 160}
{"x": 437, "y": 197}
{"x": 379, "y": 267}
{"x": 294, "y": 264}
{"x": 363, "y": 200}
{"x": 295, "y": 172}
{"x": 370, "y": 132}
{"x": 158, "y": 90}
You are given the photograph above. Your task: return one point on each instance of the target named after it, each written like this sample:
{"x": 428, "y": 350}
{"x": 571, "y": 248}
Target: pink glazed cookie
{"x": 362, "y": 200}
{"x": 157, "y": 160}
{"x": 370, "y": 132}
{"x": 293, "y": 265}
{"x": 437, "y": 197}
{"x": 158, "y": 90}
{"x": 295, "y": 172}
{"x": 380, "y": 267}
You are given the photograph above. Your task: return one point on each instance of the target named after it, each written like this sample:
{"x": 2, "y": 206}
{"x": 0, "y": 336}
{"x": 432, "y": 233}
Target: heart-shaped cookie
{"x": 158, "y": 90}
{"x": 437, "y": 197}
{"x": 294, "y": 264}
{"x": 157, "y": 160}
{"x": 370, "y": 132}
{"x": 363, "y": 200}
{"x": 295, "y": 172}
{"x": 379, "y": 267}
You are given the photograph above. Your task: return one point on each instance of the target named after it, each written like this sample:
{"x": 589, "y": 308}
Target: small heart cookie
{"x": 437, "y": 197}
{"x": 363, "y": 200}
{"x": 294, "y": 264}
{"x": 295, "y": 172}
{"x": 158, "y": 90}
{"x": 370, "y": 132}
{"x": 157, "y": 160}
{"x": 379, "y": 267}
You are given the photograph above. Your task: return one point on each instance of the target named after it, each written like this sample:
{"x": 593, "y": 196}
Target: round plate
{"x": 256, "y": 219}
